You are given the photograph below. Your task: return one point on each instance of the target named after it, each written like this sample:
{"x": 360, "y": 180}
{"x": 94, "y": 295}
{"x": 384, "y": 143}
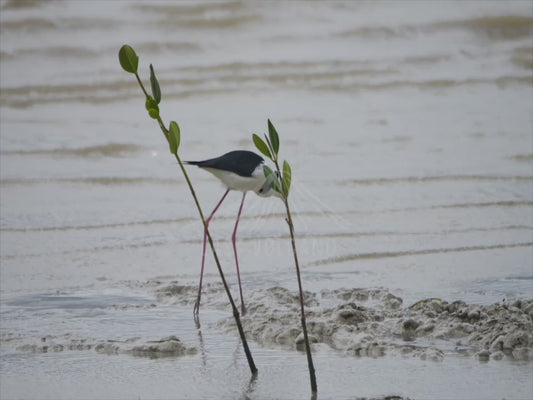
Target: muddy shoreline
{"x": 354, "y": 331}
{"x": 356, "y": 322}
{"x": 375, "y": 322}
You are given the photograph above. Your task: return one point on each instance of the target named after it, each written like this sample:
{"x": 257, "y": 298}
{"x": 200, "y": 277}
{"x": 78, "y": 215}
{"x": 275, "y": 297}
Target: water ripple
{"x": 394, "y": 254}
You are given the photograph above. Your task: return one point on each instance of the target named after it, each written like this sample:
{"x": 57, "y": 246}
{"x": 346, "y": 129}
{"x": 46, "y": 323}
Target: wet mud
{"x": 375, "y": 322}
{"x": 356, "y": 322}
{"x": 166, "y": 347}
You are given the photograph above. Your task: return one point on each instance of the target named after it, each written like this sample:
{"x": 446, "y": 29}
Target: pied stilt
{"x": 239, "y": 170}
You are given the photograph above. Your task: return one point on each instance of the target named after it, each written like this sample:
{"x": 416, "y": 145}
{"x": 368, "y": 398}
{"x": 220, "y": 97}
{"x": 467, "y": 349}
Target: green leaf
{"x": 151, "y": 103}
{"x": 152, "y": 107}
{"x": 267, "y": 141}
{"x": 272, "y": 179}
{"x": 153, "y": 113}
{"x": 174, "y": 137}
{"x": 156, "y": 90}
{"x": 128, "y": 59}
{"x": 261, "y": 145}
{"x": 274, "y": 137}
{"x": 287, "y": 177}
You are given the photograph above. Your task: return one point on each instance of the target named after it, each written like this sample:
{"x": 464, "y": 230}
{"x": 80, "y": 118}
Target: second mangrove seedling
{"x": 281, "y": 183}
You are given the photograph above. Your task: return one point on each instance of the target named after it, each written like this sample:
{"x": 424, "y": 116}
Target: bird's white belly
{"x": 240, "y": 183}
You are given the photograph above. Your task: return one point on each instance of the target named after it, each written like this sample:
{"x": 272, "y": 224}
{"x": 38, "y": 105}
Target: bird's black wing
{"x": 241, "y": 162}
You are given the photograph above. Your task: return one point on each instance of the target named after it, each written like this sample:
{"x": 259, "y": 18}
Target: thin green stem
{"x": 164, "y": 129}
{"x": 141, "y": 85}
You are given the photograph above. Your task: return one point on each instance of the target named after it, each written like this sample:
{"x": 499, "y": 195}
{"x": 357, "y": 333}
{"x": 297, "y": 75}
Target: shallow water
{"x": 408, "y": 128}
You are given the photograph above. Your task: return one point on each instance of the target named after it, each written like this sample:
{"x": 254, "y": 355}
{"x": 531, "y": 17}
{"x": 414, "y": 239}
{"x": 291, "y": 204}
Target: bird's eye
{"x": 261, "y": 190}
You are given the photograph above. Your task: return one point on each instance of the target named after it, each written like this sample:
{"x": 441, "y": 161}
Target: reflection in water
{"x": 200, "y": 339}
{"x": 249, "y": 392}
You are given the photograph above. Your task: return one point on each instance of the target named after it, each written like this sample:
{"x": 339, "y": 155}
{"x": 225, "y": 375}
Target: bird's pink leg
{"x": 233, "y": 240}
{"x": 197, "y": 304}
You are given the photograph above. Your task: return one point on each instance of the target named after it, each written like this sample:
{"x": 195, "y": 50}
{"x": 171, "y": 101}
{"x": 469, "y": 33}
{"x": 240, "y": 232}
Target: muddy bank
{"x": 375, "y": 322}
{"x": 355, "y": 322}
{"x": 166, "y": 347}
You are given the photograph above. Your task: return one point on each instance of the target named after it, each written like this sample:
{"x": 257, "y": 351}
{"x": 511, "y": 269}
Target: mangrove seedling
{"x": 280, "y": 181}
{"x": 130, "y": 61}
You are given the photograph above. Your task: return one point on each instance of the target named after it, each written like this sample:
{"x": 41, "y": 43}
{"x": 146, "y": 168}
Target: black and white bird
{"x": 242, "y": 171}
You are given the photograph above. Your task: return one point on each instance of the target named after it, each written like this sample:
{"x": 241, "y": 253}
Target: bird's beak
{"x": 267, "y": 191}
{"x": 276, "y": 194}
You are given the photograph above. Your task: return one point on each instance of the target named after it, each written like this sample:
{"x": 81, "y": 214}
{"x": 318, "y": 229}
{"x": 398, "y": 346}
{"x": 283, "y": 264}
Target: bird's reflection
{"x": 250, "y": 387}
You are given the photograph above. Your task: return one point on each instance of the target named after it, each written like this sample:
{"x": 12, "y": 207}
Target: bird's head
{"x": 267, "y": 190}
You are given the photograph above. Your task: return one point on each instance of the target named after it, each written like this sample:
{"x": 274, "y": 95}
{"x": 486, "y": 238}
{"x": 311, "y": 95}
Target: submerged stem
{"x": 312, "y": 375}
